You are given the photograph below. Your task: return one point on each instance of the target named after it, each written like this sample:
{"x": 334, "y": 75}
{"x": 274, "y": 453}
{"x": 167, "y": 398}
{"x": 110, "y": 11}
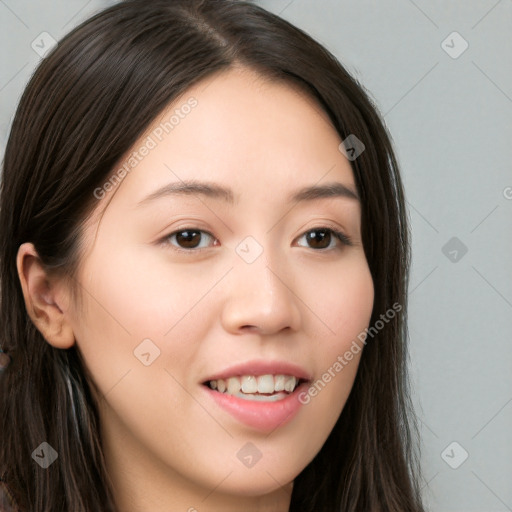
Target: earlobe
{"x": 41, "y": 298}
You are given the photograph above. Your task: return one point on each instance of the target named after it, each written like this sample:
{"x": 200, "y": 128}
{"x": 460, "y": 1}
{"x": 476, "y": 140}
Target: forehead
{"x": 241, "y": 130}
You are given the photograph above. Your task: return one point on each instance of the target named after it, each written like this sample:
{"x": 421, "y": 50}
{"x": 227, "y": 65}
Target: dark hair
{"x": 88, "y": 102}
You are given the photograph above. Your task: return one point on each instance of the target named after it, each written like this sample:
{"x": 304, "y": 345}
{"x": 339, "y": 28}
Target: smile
{"x": 265, "y": 388}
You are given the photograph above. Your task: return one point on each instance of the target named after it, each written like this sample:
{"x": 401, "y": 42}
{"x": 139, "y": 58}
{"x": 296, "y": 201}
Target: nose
{"x": 260, "y": 297}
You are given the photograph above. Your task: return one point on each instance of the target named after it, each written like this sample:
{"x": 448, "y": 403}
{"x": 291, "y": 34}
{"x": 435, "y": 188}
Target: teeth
{"x": 279, "y": 382}
{"x": 249, "y": 384}
{"x": 262, "y": 398}
{"x": 265, "y": 384}
{"x": 289, "y": 384}
{"x": 233, "y": 385}
{"x": 256, "y": 386}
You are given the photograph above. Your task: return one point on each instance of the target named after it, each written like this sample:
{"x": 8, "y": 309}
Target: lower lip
{"x": 264, "y": 416}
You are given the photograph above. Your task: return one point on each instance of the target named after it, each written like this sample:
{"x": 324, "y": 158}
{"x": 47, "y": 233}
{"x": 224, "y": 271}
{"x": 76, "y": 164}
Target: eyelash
{"x": 345, "y": 240}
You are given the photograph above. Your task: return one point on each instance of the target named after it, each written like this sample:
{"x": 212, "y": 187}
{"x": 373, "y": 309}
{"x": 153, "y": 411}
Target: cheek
{"x": 344, "y": 304}
{"x": 134, "y": 314}
{"x": 140, "y": 334}
{"x": 342, "y": 299}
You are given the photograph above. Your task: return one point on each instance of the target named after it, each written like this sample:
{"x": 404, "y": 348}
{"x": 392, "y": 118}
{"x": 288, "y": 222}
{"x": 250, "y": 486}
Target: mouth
{"x": 261, "y": 388}
{"x": 260, "y": 394}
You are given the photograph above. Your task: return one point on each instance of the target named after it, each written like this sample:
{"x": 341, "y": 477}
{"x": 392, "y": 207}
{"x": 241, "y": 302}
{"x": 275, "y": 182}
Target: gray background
{"x": 450, "y": 118}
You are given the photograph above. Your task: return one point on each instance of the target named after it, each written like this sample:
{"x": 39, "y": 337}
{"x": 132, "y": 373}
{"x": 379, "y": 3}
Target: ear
{"x": 45, "y": 299}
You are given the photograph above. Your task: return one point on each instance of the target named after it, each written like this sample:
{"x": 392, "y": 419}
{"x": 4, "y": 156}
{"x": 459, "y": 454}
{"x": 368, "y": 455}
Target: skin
{"x": 168, "y": 447}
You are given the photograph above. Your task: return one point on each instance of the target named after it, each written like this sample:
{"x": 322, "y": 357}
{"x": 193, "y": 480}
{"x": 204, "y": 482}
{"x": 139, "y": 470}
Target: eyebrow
{"x": 219, "y": 192}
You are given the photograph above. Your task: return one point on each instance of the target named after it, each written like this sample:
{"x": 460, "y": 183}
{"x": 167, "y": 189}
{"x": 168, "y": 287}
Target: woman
{"x": 204, "y": 266}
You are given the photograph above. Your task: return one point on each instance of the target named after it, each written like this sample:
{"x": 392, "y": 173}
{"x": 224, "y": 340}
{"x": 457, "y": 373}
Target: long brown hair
{"x": 86, "y": 105}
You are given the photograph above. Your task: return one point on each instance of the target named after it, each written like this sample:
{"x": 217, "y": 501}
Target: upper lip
{"x": 261, "y": 367}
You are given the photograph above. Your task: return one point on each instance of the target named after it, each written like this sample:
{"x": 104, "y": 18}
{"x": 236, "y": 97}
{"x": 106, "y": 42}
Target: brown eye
{"x": 188, "y": 239}
{"x": 319, "y": 238}
{"x": 322, "y": 238}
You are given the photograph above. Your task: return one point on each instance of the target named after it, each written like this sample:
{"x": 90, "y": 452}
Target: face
{"x": 236, "y": 285}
